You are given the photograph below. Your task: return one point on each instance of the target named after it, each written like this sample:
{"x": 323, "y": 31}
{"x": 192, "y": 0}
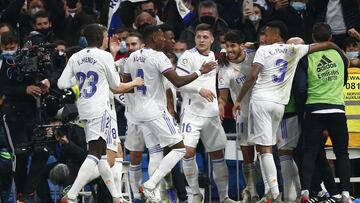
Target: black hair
{"x": 94, "y": 34}
{"x": 8, "y": 38}
{"x": 281, "y": 27}
{"x": 321, "y": 32}
{"x": 60, "y": 42}
{"x": 234, "y": 36}
{"x": 166, "y": 27}
{"x": 136, "y": 34}
{"x": 204, "y": 27}
{"x": 41, "y": 14}
{"x": 149, "y": 31}
{"x": 123, "y": 29}
{"x": 350, "y": 41}
{"x": 208, "y": 4}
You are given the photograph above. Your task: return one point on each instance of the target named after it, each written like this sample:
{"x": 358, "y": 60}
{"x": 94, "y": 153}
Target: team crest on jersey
{"x": 221, "y": 81}
{"x": 184, "y": 61}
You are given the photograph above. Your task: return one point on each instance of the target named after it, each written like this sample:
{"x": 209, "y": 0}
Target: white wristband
{"x": 198, "y": 73}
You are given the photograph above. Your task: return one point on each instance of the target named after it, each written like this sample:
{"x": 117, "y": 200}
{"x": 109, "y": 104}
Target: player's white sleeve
{"x": 260, "y": 56}
{"x": 67, "y": 78}
{"x": 110, "y": 72}
{"x": 184, "y": 67}
{"x": 302, "y": 49}
{"x": 162, "y": 62}
{"x": 223, "y": 79}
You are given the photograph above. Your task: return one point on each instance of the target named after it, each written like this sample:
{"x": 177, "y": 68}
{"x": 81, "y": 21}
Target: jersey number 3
{"x": 283, "y": 66}
{"x": 92, "y": 79}
{"x": 140, "y": 73}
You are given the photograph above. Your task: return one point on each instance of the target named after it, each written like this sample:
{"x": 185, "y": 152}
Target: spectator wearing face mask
{"x": 22, "y": 20}
{"x": 297, "y": 16}
{"x": 118, "y": 43}
{"x": 352, "y": 49}
{"x": 179, "y": 48}
{"x": 208, "y": 14}
{"x": 253, "y": 20}
{"x": 43, "y": 25}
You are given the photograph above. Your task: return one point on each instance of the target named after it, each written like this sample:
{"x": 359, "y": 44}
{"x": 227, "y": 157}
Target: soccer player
{"x": 150, "y": 104}
{"x": 288, "y": 135}
{"x": 272, "y": 73}
{"x": 201, "y": 115}
{"x": 230, "y": 79}
{"x": 93, "y": 70}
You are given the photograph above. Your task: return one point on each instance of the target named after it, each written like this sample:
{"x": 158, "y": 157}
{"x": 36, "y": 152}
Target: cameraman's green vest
{"x": 325, "y": 78}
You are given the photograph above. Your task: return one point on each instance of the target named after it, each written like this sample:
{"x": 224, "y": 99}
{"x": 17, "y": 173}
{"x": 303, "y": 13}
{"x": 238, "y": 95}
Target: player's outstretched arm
{"x": 125, "y": 87}
{"x": 67, "y": 79}
{"x": 323, "y": 46}
{"x": 249, "y": 82}
{"x": 223, "y": 95}
{"x": 179, "y": 81}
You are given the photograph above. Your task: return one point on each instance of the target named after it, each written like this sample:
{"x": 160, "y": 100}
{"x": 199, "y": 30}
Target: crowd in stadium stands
{"x": 296, "y": 107}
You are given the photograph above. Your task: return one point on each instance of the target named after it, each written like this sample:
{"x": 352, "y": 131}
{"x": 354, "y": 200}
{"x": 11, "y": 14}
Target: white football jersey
{"x": 279, "y": 62}
{"x": 93, "y": 70}
{"x": 189, "y": 62}
{"x": 232, "y": 77}
{"x": 150, "y": 99}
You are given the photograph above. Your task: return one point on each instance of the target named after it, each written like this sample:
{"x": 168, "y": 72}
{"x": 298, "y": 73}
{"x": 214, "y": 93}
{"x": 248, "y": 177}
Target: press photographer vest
{"x": 325, "y": 78}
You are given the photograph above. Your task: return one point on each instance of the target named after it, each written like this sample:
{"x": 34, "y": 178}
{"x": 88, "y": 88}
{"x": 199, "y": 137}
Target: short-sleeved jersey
{"x": 279, "y": 63}
{"x": 93, "y": 70}
{"x": 150, "y": 99}
{"x": 189, "y": 62}
{"x": 233, "y": 76}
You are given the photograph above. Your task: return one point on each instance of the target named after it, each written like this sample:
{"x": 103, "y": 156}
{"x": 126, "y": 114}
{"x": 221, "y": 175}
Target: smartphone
{"x": 248, "y": 4}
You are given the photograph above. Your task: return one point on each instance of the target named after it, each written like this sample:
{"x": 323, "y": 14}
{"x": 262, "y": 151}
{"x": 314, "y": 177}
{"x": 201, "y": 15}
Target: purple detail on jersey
{"x": 183, "y": 70}
{"x": 166, "y": 70}
{"x": 93, "y": 79}
{"x": 169, "y": 123}
{"x": 258, "y": 64}
{"x": 91, "y": 157}
{"x": 283, "y": 66}
{"x": 140, "y": 73}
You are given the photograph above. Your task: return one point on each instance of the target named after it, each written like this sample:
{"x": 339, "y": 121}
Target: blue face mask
{"x": 82, "y": 42}
{"x": 299, "y": 6}
{"x": 352, "y": 54}
{"x": 178, "y": 54}
{"x": 122, "y": 47}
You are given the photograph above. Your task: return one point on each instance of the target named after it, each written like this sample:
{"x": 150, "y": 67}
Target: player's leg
{"x": 167, "y": 133}
{"x": 287, "y": 135}
{"x": 265, "y": 118}
{"x": 214, "y": 139}
{"x": 134, "y": 142}
{"x": 248, "y": 152}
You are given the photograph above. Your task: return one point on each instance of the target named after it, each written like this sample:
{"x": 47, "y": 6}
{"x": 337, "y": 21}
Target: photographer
{"x": 20, "y": 92}
{"x": 70, "y": 151}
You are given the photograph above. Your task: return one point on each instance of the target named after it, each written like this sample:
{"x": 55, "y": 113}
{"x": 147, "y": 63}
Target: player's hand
{"x": 45, "y": 86}
{"x": 63, "y": 140}
{"x": 207, "y": 67}
{"x": 207, "y": 94}
{"x": 138, "y": 81}
{"x": 236, "y": 109}
{"x": 221, "y": 112}
{"x": 114, "y": 44}
{"x": 33, "y": 90}
{"x": 279, "y": 4}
